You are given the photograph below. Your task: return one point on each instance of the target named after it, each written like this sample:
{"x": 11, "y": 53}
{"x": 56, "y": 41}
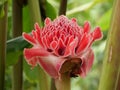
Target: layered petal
{"x": 29, "y": 55}
{"x": 49, "y": 63}
{"x": 87, "y": 61}
{"x": 62, "y": 46}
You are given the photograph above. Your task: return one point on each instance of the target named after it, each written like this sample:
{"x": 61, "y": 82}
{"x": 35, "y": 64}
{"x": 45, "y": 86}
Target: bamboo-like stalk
{"x": 17, "y": 31}
{"x": 3, "y": 29}
{"x": 36, "y": 17}
{"x": 43, "y": 80}
{"x": 111, "y": 63}
{"x": 63, "y": 7}
{"x": 35, "y": 11}
{"x": 118, "y": 83}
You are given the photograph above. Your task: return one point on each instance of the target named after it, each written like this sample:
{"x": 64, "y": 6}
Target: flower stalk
{"x": 111, "y": 62}
{"x": 64, "y": 82}
{"x": 3, "y": 31}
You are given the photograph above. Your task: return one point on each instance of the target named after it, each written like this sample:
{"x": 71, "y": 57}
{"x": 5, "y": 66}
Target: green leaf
{"x": 104, "y": 21}
{"x": 30, "y": 73}
{"x": 50, "y": 11}
{"x": 12, "y": 57}
{"x": 14, "y": 49}
{"x": 16, "y": 44}
{"x": 81, "y": 8}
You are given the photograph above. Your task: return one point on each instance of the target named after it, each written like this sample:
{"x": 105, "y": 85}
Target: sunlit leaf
{"x": 50, "y": 11}
{"x": 80, "y": 8}
{"x": 104, "y": 21}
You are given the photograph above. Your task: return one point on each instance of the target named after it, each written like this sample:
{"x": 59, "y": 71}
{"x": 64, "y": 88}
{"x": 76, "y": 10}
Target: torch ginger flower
{"x": 62, "y": 46}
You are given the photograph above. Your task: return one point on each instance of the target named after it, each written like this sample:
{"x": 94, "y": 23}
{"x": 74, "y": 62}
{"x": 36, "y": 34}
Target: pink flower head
{"x": 62, "y": 46}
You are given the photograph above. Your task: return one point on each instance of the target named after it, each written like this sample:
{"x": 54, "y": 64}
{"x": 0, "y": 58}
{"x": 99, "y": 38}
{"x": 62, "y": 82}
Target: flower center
{"x": 71, "y": 66}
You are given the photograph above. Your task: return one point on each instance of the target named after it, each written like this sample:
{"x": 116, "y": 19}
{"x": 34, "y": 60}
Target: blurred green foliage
{"x": 98, "y": 12}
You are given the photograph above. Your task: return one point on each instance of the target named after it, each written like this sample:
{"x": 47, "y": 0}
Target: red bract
{"x": 62, "y": 46}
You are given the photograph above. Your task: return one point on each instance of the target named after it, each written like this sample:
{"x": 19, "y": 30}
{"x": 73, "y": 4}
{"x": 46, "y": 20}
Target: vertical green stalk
{"x": 3, "y": 31}
{"x": 63, "y": 83}
{"x": 118, "y": 83}
{"x": 111, "y": 63}
{"x": 53, "y": 87}
{"x": 35, "y": 11}
{"x": 44, "y": 82}
{"x": 63, "y": 7}
{"x": 36, "y": 17}
{"x": 17, "y": 31}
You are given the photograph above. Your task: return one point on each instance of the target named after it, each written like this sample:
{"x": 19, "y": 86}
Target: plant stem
{"x": 118, "y": 82}
{"x": 42, "y": 4}
{"x": 63, "y": 7}
{"x": 36, "y": 17}
{"x": 3, "y": 29}
{"x": 53, "y": 84}
{"x": 111, "y": 63}
{"x": 35, "y": 11}
{"x": 63, "y": 83}
{"x": 44, "y": 82}
{"x": 17, "y": 31}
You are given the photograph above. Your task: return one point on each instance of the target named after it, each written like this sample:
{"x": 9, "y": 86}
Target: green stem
{"x": 118, "y": 82}
{"x": 3, "y": 29}
{"x": 44, "y": 82}
{"x": 17, "y": 31}
{"x": 36, "y": 17}
{"x": 111, "y": 63}
{"x": 63, "y": 7}
{"x": 35, "y": 11}
{"x": 53, "y": 84}
{"x": 63, "y": 83}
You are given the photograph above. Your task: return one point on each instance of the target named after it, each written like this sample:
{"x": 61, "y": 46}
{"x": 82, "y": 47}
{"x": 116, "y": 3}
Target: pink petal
{"x": 34, "y": 34}
{"x": 86, "y": 27}
{"x": 49, "y": 65}
{"x": 87, "y": 59}
{"x": 84, "y": 43}
{"x": 70, "y": 49}
{"x": 97, "y": 34}
{"x": 61, "y": 48}
{"x": 53, "y": 45}
{"x": 37, "y": 28}
{"x": 33, "y": 52}
{"x": 29, "y": 38}
{"x": 47, "y": 21}
{"x": 73, "y": 20}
